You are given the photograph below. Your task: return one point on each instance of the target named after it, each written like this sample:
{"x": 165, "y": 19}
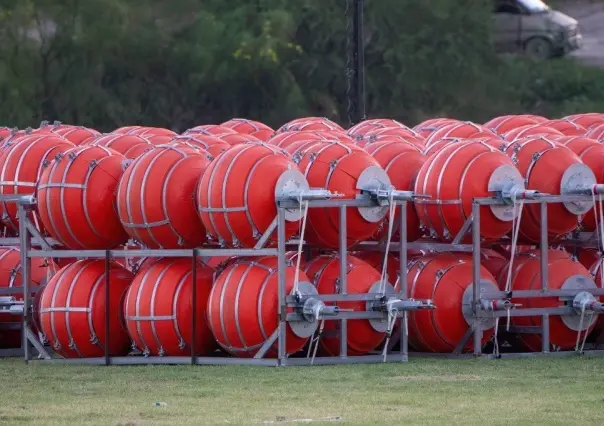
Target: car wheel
{"x": 539, "y": 48}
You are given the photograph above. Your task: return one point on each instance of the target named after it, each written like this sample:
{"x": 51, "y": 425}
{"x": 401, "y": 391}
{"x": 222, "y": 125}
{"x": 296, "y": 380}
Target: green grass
{"x": 531, "y": 391}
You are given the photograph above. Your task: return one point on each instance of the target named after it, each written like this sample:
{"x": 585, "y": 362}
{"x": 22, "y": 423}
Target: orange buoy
{"x": 347, "y": 170}
{"x": 502, "y": 125}
{"x": 250, "y": 127}
{"x": 494, "y": 261}
{"x": 400, "y": 132}
{"x": 310, "y": 124}
{"x": 243, "y": 308}
{"x": 417, "y": 140}
{"x": 427, "y": 127}
{"x": 76, "y": 198}
{"x": 564, "y": 274}
{"x": 126, "y": 129}
{"x": 237, "y": 138}
{"x": 11, "y": 277}
{"x": 566, "y": 127}
{"x": 130, "y": 146}
{"x": 367, "y": 126}
{"x": 401, "y": 162}
{"x": 462, "y": 130}
{"x": 210, "y": 129}
{"x": 586, "y": 120}
{"x": 213, "y": 145}
{"x": 591, "y": 153}
{"x": 20, "y": 168}
{"x": 330, "y": 135}
{"x": 532, "y": 130}
{"x": 455, "y": 176}
{"x": 376, "y": 260}
{"x": 550, "y": 168}
{"x": 363, "y": 335}
{"x": 72, "y": 309}
{"x": 158, "y": 139}
{"x": 158, "y": 308}
{"x": 77, "y": 134}
{"x": 156, "y": 197}
{"x": 151, "y": 131}
{"x": 236, "y": 194}
{"x": 284, "y": 139}
{"x": 445, "y": 278}
{"x": 596, "y": 132}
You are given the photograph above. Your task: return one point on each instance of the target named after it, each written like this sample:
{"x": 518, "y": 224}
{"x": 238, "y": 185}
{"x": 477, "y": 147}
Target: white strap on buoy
{"x": 391, "y": 212}
{"x": 304, "y": 213}
{"x": 508, "y": 281}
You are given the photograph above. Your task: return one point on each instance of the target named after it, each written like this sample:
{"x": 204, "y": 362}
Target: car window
{"x": 507, "y": 7}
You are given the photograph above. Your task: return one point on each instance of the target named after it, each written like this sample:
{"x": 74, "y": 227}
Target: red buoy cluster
{"x": 217, "y": 186}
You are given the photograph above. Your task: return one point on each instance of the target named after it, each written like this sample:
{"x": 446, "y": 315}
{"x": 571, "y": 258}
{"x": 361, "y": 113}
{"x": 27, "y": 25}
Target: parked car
{"x": 532, "y": 27}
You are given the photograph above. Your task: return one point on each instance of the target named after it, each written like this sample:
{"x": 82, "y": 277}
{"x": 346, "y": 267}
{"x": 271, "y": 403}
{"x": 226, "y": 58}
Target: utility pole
{"x": 355, "y": 72}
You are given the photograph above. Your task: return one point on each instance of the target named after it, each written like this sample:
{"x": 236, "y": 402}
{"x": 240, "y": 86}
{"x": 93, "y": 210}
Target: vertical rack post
{"x": 343, "y": 282}
{"x": 194, "y": 307}
{"x": 25, "y": 247}
{"x": 282, "y": 285}
{"x": 476, "y": 277}
{"x": 107, "y": 347}
{"x": 544, "y": 265}
{"x": 403, "y": 291}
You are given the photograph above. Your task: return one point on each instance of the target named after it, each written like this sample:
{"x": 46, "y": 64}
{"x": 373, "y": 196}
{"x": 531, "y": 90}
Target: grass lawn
{"x": 423, "y": 391}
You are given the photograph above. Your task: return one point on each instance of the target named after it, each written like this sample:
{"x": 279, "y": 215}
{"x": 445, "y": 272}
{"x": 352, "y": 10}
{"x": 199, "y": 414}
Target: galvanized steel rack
{"x": 33, "y": 245}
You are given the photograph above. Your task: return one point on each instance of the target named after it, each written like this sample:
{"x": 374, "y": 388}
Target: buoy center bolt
{"x": 586, "y": 301}
{"x": 517, "y": 192}
{"x": 498, "y": 305}
{"x": 314, "y": 310}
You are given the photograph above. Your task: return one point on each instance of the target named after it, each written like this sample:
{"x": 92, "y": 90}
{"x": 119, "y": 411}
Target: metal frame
{"x": 29, "y": 236}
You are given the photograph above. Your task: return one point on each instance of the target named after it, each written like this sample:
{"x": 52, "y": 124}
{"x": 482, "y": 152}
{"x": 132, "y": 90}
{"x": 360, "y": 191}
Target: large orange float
{"x": 20, "y": 168}
{"x": 347, "y": 170}
{"x": 566, "y": 127}
{"x": 550, "y": 168}
{"x": 212, "y": 144}
{"x": 531, "y": 130}
{"x": 361, "y": 129}
{"x": 587, "y": 120}
{"x": 596, "y": 132}
{"x": 463, "y": 130}
{"x": 156, "y": 197}
{"x": 456, "y": 175}
{"x": 130, "y": 146}
{"x": 158, "y": 308}
{"x": 237, "y": 194}
{"x": 591, "y": 153}
{"x": 564, "y": 274}
{"x": 401, "y": 162}
{"x": 250, "y": 127}
{"x": 77, "y": 134}
{"x": 446, "y": 279}
{"x": 76, "y": 198}
{"x": 72, "y": 309}
{"x": 310, "y": 124}
{"x": 243, "y": 308}
{"x": 11, "y": 276}
{"x": 363, "y": 335}
{"x": 505, "y": 123}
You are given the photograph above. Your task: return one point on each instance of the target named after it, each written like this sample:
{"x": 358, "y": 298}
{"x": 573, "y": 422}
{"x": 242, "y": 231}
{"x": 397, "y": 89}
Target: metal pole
{"x": 25, "y": 247}
{"x": 404, "y": 340}
{"x": 343, "y": 282}
{"x": 359, "y": 59}
{"x": 107, "y": 308}
{"x": 282, "y": 284}
{"x": 476, "y": 277}
{"x": 544, "y": 265}
{"x": 194, "y": 307}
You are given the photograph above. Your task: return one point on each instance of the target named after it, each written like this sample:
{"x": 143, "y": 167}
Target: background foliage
{"x": 180, "y": 63}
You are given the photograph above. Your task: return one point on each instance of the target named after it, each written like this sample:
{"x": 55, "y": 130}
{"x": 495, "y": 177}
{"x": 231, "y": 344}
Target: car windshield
{"x": 534, "y": 6}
